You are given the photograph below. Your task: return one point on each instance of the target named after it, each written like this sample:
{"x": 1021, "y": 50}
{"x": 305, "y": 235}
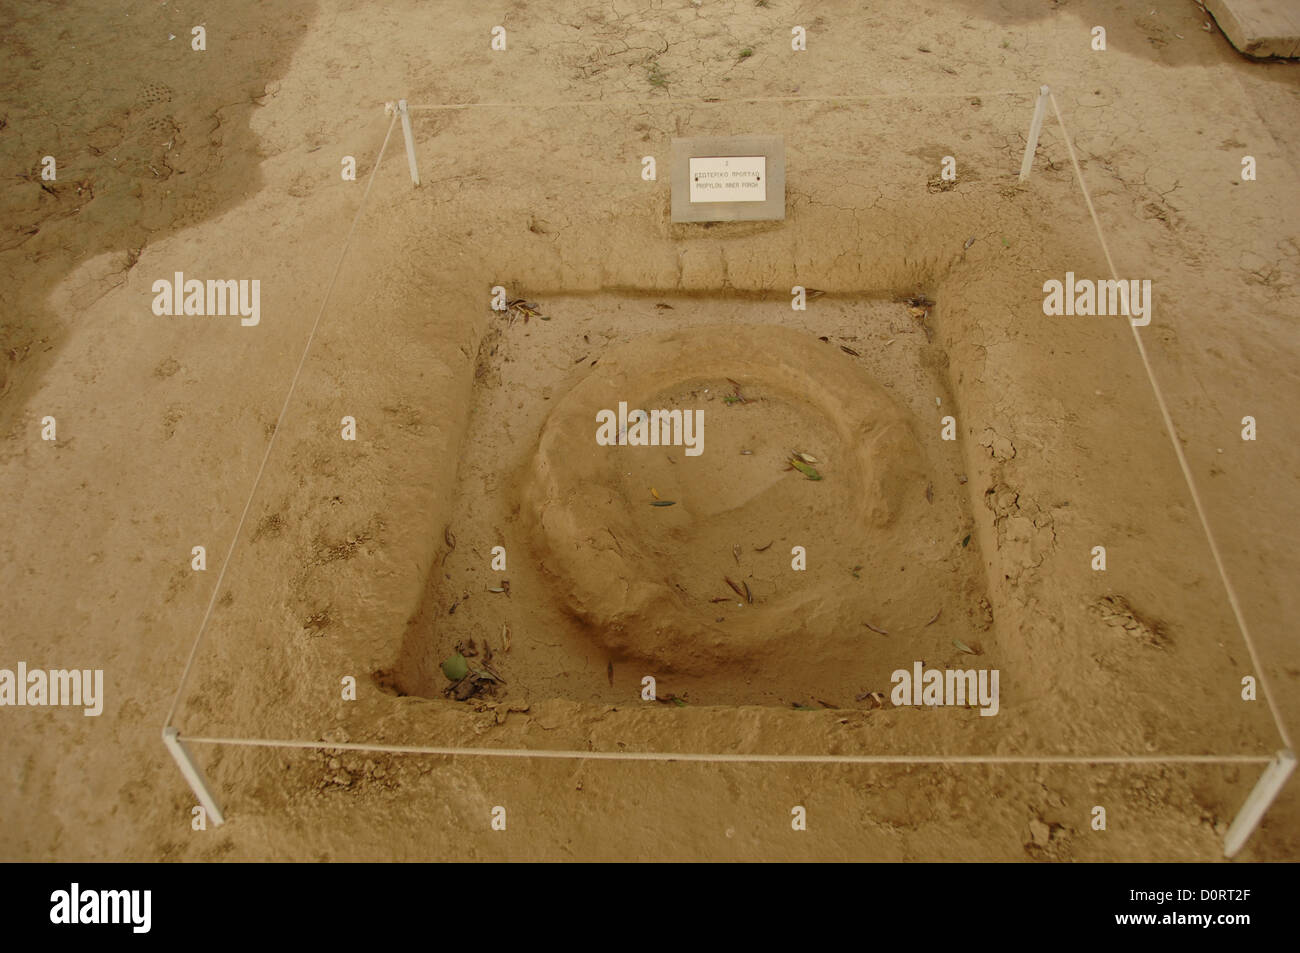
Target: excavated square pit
{"x": 758, "y": 584}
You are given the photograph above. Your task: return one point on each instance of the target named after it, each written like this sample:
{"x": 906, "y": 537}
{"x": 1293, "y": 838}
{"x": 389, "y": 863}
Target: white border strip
{"x": 1261, "y": 798}
{"x": 193, "y": 774}
{"x": 410, "y": 141}
{"x": 1035, "y": 127}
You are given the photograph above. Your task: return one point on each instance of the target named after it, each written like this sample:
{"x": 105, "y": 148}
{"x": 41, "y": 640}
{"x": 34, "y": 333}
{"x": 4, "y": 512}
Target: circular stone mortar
{"x": 649, "y": 580}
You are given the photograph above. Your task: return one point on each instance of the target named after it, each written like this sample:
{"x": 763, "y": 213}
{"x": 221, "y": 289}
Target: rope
{"x": 580, "y": 103}
{"x": 739, "y": 758}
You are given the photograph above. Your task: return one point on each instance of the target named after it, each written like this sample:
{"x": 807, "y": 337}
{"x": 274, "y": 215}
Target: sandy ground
{"x": 225, "y": 164}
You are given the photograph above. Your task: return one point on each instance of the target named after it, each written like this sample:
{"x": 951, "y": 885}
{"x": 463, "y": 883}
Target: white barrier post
{"x": 1252, "y": 812}
{"x": 410, "y": 141}
{"x": 1035, "y": 127}
{"x": 198, "y": 783}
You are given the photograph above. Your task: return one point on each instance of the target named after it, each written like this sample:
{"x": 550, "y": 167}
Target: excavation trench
{"x": 632, "y": 457}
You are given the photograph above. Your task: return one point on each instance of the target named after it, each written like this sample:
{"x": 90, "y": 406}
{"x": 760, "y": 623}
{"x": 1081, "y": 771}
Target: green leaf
{"x": 964, "y": 647}
{"x": 965, "y": 540}
{"x": 455, "y": 667}
{"x": 803, "y": 468}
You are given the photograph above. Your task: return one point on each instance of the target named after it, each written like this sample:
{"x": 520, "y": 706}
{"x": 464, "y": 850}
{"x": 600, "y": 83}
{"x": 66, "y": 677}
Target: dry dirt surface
{"x": 958, "y": 454}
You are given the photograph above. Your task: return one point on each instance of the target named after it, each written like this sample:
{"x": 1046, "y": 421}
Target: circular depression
{"x": 651, "y": 581}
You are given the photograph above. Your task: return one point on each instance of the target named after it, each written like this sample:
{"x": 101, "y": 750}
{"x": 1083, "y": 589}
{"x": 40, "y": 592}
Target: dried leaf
{"x": 749, "y": 596}
{"x": 735, "y": 588}
{"x": 654, "y": 493}
{"x": 964, "y": 647}
{"x": 747, "y": 453}
{"x": 763, "y": 549}
{"x": 721, "y": 599}
{"x": 496, "y": 589}
{"x": 936, "y": 617}
{"x": 929, "y": 493}
{"x": 806, "y": 457}
{"x": 489, "y": 671}
{"x": 609, "y": 673}
{"x": 735, "y": 551}
{"x": 528, "y": 309}
{"x": 449, "y": 538}
{"x": 848, "y": 350}
{"x": 505, "y": 637}
{"x": 875, "y": 629}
